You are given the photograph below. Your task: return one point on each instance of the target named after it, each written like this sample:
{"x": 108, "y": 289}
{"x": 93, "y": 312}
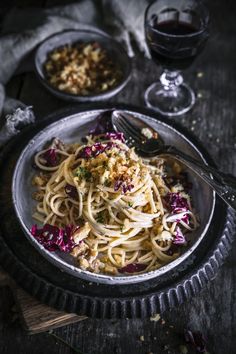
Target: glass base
{"x": 169, "y": 102}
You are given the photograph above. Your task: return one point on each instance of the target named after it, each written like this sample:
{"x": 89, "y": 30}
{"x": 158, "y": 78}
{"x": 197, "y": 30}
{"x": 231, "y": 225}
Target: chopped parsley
{"x": 82, "y": 172}
{"x": 130, "y": 204}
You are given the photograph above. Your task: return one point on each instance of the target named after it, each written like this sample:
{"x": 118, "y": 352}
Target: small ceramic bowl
{"x": 114, "y": 49}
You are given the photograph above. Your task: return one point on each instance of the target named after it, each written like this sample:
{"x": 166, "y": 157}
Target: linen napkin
{"x": 23, "y": 29}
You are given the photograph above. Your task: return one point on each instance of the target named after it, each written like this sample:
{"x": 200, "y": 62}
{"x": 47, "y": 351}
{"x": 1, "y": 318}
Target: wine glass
{"x": 176, "y": 32}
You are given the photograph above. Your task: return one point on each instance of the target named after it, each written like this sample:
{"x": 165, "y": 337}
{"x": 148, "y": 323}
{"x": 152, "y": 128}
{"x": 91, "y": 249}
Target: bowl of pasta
{"x": 95, "y": 209}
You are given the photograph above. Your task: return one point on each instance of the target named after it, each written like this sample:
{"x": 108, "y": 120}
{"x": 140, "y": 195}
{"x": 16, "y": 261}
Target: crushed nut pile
{"x": 82, "y": 69}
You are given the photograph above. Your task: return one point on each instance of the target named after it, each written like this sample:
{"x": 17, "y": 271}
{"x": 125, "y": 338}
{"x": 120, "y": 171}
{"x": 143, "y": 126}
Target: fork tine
{"x": 128, "y": 137}
{"x": 123, "y": 128}
{"x": 130, "y": 128}
{"x": 120, "y": 127}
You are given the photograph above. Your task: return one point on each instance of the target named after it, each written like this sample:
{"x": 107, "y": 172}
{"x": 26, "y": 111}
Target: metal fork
{"x": 134, "y": 132}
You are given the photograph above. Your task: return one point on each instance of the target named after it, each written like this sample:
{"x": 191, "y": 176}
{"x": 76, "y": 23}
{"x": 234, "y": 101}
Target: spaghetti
{"x": 116, "y": 212}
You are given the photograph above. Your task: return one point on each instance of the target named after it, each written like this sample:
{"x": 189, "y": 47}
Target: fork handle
{"x": 223, "y": 184}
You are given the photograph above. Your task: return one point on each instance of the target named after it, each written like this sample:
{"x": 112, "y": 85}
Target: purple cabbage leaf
{"x": 54, "y": 238}
{"x": 103, "y": 124}
{"x": 124, "y": 185}
{"x": 71, "y": 191}
{"x": 95, "y": 149}
{"x": 179, "y": 237}
{"x": 178, "y": 207}
{"x": 51, "y": 158}
{"x": 133, "y": 268}
{"x": 115, "y": 136}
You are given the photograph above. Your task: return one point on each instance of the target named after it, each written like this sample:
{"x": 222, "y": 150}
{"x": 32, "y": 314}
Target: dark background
{"x": 212, "y": 120}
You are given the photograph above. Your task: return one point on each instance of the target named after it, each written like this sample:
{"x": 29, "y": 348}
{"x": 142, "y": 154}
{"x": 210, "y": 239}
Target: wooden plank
{"x": 35, "y": 316}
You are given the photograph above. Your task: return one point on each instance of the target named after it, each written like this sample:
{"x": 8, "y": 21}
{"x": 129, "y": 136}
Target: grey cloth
{"x": 18, "y": 117}
{"x": 23, "y": 30}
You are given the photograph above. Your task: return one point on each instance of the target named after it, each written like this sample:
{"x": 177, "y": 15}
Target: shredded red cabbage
{"x": 177, "y": 204}
{"x": 104, "y": 127}
{"x": 103, "y": 124}
{"x": 196, "y": 339}
{"x": 95, "y": 149}
{"x": 133, "y": 268}
{"x": 179, "y": 237}
{"x": 51, "y": 158}
{"x": 120, "y": 183}
{"x": 54, "y": 238}
{"x": 71, "y": 191}
{"x": 115, "y": 136}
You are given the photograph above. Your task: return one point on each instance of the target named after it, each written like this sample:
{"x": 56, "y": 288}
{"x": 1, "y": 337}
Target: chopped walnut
{"x": 79, "y": 250}
{"x": 82, "y": 233}
{"x": 84, "y": 264}
{"x": 110, "y": 269}
{"x": 38, "y": 181}
{"x": 95, "y": 266}
{"x": 92, "y": 255}
{"x": 38, "y": 196}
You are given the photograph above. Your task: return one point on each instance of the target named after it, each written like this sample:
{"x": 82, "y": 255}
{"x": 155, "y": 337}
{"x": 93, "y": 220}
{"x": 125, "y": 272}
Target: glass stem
{"x": 171, "y": 80}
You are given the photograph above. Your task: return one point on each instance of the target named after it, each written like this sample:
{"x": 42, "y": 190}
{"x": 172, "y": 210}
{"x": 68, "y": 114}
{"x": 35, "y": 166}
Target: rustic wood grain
{"x": 35, "y": 316}
{"x": 213, "y": 121}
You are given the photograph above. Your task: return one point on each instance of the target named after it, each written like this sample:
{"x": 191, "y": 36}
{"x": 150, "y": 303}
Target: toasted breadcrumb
{"x": 82, "y": 69}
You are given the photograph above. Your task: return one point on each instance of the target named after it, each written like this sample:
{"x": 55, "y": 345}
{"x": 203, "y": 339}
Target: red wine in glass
{"x": 175, "y": 35}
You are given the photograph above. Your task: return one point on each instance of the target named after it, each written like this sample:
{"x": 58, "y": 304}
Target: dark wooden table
{"x": 213, "y": 312}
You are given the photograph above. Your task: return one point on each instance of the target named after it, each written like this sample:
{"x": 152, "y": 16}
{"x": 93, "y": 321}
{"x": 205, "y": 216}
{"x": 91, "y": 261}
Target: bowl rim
{"x": 83, "y": 98}
{"x": 76, "y": 271}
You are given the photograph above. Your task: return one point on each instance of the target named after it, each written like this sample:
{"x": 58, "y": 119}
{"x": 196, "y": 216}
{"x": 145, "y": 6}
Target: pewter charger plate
{"x": 72, "y": 129}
